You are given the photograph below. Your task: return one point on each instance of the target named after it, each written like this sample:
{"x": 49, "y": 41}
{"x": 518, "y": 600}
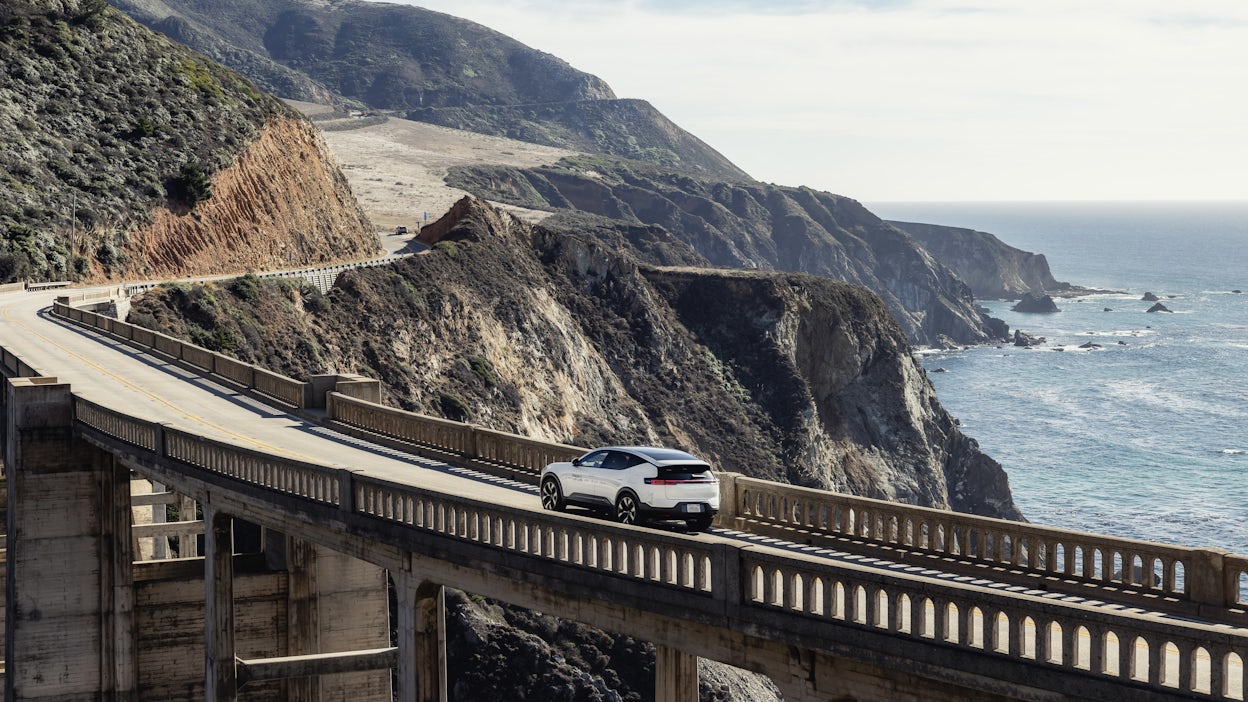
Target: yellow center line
{"x": 194, "y": 418}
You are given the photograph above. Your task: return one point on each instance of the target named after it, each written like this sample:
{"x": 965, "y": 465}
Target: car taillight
{"x": 677, "y": 481}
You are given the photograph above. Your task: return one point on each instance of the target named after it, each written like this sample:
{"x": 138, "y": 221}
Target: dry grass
{"x": 396, "y": 167}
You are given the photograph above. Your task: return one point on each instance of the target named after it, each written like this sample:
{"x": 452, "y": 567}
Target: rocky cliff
{"x": 751, "y": 225}
{"x": 125, "y": 155}
{"x": 518, "y": 327}
{"x": 282, "y": 203}
{"x": 431, "y": 66}
{"x": 993, "y": 269}
{"x": 513, "y": 326}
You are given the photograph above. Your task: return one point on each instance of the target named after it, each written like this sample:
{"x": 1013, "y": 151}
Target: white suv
{"x": 635, "y": 483}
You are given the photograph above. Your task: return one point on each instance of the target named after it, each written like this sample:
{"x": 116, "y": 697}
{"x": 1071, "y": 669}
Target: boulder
{"x": 1149, "y": 297}
{"x": 1037, "y": 303}
{"x": 1091, "y": 345}
{"x": 1025, "y": 340}
{"x": 1159, "y": 308}
{"x": 1108, "y": 309}
{"x": 1238, "y": 292}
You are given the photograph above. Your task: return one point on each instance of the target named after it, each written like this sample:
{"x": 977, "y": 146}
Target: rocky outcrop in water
{"x": 1036, "y": 303}
{"x": 1159, "y": 308}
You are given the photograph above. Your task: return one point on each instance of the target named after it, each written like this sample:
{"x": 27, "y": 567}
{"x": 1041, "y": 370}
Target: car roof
{"x": 656, "y": 454}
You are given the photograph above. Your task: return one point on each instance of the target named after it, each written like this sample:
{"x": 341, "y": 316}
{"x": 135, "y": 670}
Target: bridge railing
{"x": 753, "y": 585}
{"x": 483, "y": 447}
{"x": 1199, "y": 575}
{"x": 294, "y": 393}
{"x": 1206, "y": 661}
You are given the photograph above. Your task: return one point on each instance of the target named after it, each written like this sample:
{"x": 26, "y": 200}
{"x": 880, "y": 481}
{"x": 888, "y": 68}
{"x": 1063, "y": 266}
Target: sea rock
{"x": 1150, "y": 297}
{"x": 1159, "y": 308}
{"x": 1238, "y": 292}
{"x": 1091, "y": 345}
{"x": 1109, "y": 309}
{"x": 1025, "y": 340}
{"x": 1037, "y": 303}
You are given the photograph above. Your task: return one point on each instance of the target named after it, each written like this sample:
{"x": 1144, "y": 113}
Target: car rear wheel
{"x": 552, "y": 496}
{"x": 700, "y": 523}
{"x": 626, "y": 508}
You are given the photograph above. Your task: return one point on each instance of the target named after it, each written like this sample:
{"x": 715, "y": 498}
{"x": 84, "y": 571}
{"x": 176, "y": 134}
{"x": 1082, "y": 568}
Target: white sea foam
{"x": 1233, "y": 452}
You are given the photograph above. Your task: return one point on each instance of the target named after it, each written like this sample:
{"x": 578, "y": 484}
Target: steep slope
{"x": 123, "y": 154}
{"x": 518, "y": 327}
{"x": 512, "y": 326}
{"x": 993, "y": 269}
{"x": 747, "y": 224}
{"x": 438, "y": 68}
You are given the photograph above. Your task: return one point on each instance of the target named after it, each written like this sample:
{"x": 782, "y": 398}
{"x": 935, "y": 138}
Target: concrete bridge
{"x": 312, "y": 500}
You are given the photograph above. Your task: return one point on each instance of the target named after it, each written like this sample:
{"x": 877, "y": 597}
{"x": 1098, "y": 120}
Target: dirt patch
{"x": 397, "y": 167}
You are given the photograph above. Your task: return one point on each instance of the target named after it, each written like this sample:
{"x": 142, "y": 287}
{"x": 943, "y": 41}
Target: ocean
{"x": 1147, "y": 436}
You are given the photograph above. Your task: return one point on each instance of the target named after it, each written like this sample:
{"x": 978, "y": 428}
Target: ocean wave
{"x": 1232, "y": 452}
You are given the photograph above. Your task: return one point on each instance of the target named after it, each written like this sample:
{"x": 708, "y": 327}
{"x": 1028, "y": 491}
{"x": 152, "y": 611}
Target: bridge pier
{"x": 221, "y": 672}
{"x": 69, "y": 627}
{"x": 421, "y": 636}
{"x": 675, "y": 675}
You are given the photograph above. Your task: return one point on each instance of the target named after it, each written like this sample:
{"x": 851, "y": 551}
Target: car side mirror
{"x": 576, "y": 462}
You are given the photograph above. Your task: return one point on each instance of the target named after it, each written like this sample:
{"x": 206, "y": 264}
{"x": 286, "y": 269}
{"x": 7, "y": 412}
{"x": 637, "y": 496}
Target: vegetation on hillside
{"x": 742, "y": 223}
{"x": 100, "y": 121}
{"x": 432, "y": 67}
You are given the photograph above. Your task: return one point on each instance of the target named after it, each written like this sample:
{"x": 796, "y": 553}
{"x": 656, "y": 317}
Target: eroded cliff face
{"x": 747, "y": 224}
{"x": 993, "y": 269}
{"x": 782, "y": 376}
{"x": 282, "y": 203}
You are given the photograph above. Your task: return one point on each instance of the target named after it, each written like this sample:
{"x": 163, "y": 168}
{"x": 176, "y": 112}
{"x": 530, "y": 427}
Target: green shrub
{"x": 246, "y": 288}
{"x": 190, "y": 186}
{"x": 453, "y": 408}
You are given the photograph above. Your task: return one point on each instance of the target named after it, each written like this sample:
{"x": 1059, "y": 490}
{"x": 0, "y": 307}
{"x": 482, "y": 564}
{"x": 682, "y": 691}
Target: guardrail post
{"x": 471, "y": 449}
{"x": 1206, "y": 578}
{"x": 727, "y": 585}
{"x": 346, "y": 492}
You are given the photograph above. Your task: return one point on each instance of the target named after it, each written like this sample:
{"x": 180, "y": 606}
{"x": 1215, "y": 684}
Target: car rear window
{"x": 684, "y": 472}
{"x": 661, "y": 454}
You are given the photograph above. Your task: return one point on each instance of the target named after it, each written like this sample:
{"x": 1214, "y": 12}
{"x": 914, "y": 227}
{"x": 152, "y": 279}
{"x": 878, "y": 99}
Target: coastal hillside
{"x": 993, "y": 269}
{"x": 124, "y": 155}
{"x": 427, "y": 66}
{"x": 518, "y": 327}
{"x": 751, "y": 225}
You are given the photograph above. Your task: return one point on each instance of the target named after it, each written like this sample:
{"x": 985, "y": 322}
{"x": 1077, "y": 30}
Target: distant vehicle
{"x": 635, "y": 484}
{"x": 400, "y": 229}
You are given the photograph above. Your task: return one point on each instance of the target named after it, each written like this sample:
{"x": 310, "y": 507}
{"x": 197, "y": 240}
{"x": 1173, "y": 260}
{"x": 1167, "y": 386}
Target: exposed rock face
{"x": 746, "y": 224}
{"x": 1036, "y": 303}
{"x": 1159, "y": 308}
{"x": 1150, "y": 297}
{"x": 124, "y": 155}
{"x": 782, "y": 376}
{"x": 992, "y": 268}
{"x": 283, "y": 203}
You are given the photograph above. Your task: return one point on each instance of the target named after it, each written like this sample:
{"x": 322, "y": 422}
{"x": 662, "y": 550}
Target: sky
{"x": 928, "y": 100}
